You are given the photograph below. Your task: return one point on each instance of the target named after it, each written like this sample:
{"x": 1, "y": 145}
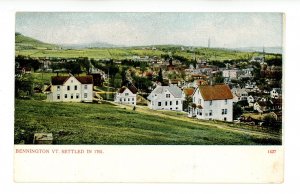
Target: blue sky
{"x": 191, "y": 29}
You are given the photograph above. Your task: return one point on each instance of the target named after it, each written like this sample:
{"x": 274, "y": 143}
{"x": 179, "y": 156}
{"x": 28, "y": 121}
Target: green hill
{"x": 25, "y": 43}
{"x": 27, "y": 46}
{"x": 84, "y": 123}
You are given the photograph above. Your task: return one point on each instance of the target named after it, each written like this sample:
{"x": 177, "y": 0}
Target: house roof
{"x": 130, "y": 87}
{"x": 215, "y": 92}
{"x": 188, "y": 91}
{"x": 60, "y": 80}
{"x": 85, "y": 79}
{"x": 48, "y": 89}
{"x": 174, "y": 90}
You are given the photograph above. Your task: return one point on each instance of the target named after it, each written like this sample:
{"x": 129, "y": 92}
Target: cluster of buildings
{"x": 208, "y": 100}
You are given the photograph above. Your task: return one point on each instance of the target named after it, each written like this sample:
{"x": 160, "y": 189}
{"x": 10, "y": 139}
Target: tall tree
{"x": 160, "y": 76}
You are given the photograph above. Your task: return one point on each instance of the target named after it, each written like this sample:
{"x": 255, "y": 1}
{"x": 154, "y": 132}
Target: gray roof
{"x": 174, "y": 90}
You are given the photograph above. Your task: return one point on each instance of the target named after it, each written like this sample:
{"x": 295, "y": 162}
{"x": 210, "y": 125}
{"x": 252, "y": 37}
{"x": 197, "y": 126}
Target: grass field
{"x": 82, "y": 123}
{"x": 30, "y": 47}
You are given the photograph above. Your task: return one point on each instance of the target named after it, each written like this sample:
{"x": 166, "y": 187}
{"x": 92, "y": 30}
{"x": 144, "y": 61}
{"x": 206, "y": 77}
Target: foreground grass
{"x": 80, "y": 123}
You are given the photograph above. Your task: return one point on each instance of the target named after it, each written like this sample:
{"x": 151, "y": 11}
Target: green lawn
{"x": 82, "y": 123}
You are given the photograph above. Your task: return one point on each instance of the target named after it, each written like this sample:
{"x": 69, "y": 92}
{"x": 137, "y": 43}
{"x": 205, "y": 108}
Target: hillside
{"x": 27, "y": 46}
{"x": 24, "y": 43}
{"x": 84, "y": 123}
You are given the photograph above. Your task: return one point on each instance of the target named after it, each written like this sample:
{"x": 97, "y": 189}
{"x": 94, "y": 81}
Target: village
{"x": 239, "y": 91}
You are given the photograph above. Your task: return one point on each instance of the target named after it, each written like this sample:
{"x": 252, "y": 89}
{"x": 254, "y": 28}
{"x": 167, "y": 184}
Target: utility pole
{"x": 107, "y": 92}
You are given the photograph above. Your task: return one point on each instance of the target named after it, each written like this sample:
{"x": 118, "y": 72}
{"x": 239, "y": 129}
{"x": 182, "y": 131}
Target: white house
{"x": 212, "y": 102}
{"x": 240, "y": 93}
{"x": 70, "y": 89}
{"x": 166, "y": 98}
{"x": 275, "y": 93}
{"x": 261, "y": 106}
{"x": 126, "y": 95}
{"x": 250, "y": 100}
{"x": 231, "y": 73}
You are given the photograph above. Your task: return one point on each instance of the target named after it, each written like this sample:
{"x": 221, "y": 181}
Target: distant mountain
{"x": 275, "y": 50}
{"x": 24, "y": 42}
{"x": 89, "y": 45}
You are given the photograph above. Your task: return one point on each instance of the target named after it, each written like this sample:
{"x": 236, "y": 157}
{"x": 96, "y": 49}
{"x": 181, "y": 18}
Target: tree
{"x": 269, "y": 120}
{"x": 112, "y": 70}
{"x": 117, "y": 81}
{"x": 160, "y": 76}
{"x": 237, "y": 110}
{"x": 73, "y": 67}
{"x": 143, "y": 67}
{"x": 85, "y": 62}
{"x": 23, "y": 85}
{"x": 142, "y": 83}
{"x": 219, "y": 79}
{"x": 186, "y": 103}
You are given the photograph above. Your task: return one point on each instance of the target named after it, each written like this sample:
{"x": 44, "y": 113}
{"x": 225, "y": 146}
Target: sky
{"x": 229, "y": 30}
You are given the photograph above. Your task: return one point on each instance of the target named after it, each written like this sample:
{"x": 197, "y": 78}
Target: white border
{"x": 291, "y": 8}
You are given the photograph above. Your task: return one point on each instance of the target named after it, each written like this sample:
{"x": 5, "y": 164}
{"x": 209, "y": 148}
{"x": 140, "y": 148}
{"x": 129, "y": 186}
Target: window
{"x": 71, "y": 96}
{"x": 199, "y": 101}
{"x": 77, "y": 96}
{"x": 58, "y": 88}
{"x": 85, "y": 95}
{"x": 71, "y": 81}
{"x": 176, "y": 107}
{"x": 168, "y": 95}
{"x": 58, "y": 96}
{"x": 68, "y": 87}
{"x": 200, "y": 112}
{"x": 226, "y": 101}
{"x": 224, "y": 111}
{"x": 132, "y": 99}
{"x": 85, "y": 87}
{"x": 75, "y": 87}
{"x": 170, "y": 103}
{"x": 194, "y": 99}
{"x": 159, "y": 103}
{"x": 210, "y": 112}
{"x": 124, "y": 99}
{"x": 210, "y": 103}
{"x": 166, "y": 103}
{"x": 120, "y": 99}
{"x": 126, "y": 94}
{"x": 66, "y": 95}
{"x": 128, "y": 99}
{"x": 176, "y": 102}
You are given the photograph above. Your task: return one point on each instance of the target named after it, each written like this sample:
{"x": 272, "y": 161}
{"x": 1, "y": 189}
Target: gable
{"x": 71, "y": 80}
